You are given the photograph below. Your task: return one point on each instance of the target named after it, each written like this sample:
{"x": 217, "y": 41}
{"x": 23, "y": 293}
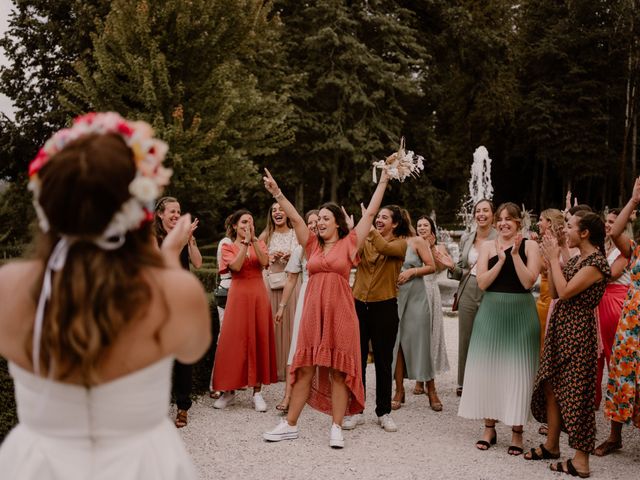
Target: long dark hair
{"x": 341, "y": 220}
{"x": 402, "y": 228}
{"x": 98, "y": 292}
{"x": 271, "y": 226}
{"x": 593, "y": 223}
{"x": 158, "y": 228}
{"x": 233, "y": 220}
{"x": 432, "y": 224}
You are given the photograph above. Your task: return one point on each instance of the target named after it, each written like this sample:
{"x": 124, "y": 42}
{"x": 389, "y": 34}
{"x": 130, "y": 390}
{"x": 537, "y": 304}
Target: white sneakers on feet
{"x": 387, "y": 423}
{"x": 258, "y": 402}
{"x": 336, "y": 440}
{"x": 350, "y": 422}
{"x": 283, "y": 431}
{"x": 225, "y": 400}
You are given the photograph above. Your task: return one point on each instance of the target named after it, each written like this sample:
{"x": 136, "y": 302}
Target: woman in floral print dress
{"x": 623, "y": 388}
{"x": 565, "y": 387}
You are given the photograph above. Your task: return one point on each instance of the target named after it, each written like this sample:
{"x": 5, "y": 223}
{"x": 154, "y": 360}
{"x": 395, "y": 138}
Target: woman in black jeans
{"x": 166, "y": 215}
{"x": 376, "y": 296}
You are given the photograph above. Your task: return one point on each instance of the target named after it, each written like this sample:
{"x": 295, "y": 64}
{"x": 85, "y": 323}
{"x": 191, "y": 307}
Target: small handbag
{"x": 277, "y": 280}
{"x": 461, "y": 287}
{"x": 220, "y": 293}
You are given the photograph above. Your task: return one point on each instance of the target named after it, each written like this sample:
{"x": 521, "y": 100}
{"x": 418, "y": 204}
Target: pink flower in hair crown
{"x": 148, "y": 154}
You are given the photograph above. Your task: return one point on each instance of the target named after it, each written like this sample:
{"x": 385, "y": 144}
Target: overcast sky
{"x": 5, "y": 7}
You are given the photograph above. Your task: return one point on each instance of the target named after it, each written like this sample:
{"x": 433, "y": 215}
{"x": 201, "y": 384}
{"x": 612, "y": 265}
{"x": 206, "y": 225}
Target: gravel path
{"x": 228, "y": 444}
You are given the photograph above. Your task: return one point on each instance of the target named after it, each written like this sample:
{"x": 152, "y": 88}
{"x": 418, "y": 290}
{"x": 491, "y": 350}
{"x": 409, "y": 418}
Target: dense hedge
{"x": 201, "y": 377}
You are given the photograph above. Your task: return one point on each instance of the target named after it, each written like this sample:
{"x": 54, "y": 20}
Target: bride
{"x": 91, "y": 325}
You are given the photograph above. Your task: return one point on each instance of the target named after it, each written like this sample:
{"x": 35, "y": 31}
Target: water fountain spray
{"x": 479, "y": 185}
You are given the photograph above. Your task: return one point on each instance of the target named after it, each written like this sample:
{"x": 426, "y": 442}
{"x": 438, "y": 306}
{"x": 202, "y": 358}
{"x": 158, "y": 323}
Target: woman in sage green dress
{"x": 412, "y": 351}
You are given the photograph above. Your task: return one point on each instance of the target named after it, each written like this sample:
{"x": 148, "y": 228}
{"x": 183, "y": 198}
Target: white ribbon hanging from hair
{"x": 56, "y": 263}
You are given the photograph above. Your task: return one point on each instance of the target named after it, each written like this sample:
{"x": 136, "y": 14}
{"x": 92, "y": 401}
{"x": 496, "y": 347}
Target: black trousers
{"x": 182, "y": 380}
{"x": 379, "y": 323}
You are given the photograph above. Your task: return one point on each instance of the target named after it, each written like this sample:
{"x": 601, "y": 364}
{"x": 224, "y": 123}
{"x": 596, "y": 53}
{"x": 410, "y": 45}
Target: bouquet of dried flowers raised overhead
{"x": 400, "y": 165}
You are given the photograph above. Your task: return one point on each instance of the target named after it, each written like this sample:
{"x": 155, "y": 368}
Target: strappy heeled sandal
{"x": 487, "y": 445}
{"x": 571, "y": 470}
{"x": 418, "y": 389}
{"x": 181, "y": 419}
{"x": 434, "y": 401}
{"x": 283, "y": 406}
{"x": 514, "y": 449}
{"x": 546, "y": 454}
{"x": 396, "y": 404}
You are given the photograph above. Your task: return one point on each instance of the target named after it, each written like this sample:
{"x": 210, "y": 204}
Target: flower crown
{"x": 148, "y": 154}
{"x": 400, "y": 165}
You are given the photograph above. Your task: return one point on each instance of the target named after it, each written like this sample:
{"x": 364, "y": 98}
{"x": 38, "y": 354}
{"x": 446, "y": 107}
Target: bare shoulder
{"x": 179, "y": 283}
{"x": 531, "y": 246}
{"x": 19, "y": 273}
{"x": 488, "y": 246}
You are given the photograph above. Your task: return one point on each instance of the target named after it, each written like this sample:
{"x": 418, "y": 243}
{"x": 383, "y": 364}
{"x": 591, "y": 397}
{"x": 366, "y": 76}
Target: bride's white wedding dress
{"x": 118, "y": 430}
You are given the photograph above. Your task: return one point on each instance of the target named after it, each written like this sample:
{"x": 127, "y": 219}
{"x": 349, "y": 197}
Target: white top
{"x": 473, "y": 259}
{"x": 225, "y": 278}
{"x": 117, "y": 430}
{"x": 625, "y": 278}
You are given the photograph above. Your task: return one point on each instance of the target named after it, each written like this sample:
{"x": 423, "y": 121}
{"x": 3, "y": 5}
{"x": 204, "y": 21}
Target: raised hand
{"x": 567, "y": 201}
{"x": 550, "y": 248}
{"x": 270, "y": 183}
{"x": 193, "y": 227}
{"x": 515, "y": 250}
{"x": 500, "y": 252}
{"x": 175, "y": 240}
{"x": 635, "y": 195}
{"x": 349, "y": 218}
{"x": 443, "y": 258}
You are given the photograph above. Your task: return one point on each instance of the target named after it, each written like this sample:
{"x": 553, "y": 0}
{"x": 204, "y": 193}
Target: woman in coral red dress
{"x": 326, "y": 371}
{"x": 246, "y": 354}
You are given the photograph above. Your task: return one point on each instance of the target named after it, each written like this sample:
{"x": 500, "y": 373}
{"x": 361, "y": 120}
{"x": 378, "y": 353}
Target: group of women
{"x": 91, "y": 345}
{"x": 325, "y": 335}
{"x": 519, "y": 356}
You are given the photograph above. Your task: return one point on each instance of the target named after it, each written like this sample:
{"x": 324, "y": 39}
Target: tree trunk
{"x": 334, "y": 182}
{"x": 300, "y": 198}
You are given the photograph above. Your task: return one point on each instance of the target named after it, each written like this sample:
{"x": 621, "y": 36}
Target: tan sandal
{"x": 418, "y": 389}
{"x": 396, "y": 404}
{"x": 181, "y": 419}
{"x": 434, "y": 401}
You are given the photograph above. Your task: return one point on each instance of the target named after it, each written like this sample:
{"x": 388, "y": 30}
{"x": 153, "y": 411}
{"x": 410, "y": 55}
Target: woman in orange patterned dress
{"x": 326, "y": 370}
{"x": 622, "y": 404}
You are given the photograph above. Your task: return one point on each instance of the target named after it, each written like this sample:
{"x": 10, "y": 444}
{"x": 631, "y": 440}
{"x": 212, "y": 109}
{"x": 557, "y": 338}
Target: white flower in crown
{"x": 144, "y": 189}
{"x": 148, "y": 154}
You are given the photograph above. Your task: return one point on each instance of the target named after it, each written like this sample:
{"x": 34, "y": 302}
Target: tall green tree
{"x": 356, "y": 62}
{"x": 572, "y": 78}
{"x": 197, "y": 71}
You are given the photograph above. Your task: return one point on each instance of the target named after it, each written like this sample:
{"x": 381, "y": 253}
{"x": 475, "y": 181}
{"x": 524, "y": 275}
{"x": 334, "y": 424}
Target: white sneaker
{"x": 351, "y": 421}
{"x": 387, "y": 423}
{"x": 336, "y": 440}
{"x": 258, "y": 402}
{"x": 225, "y": 400}
{"x": 283, "y": 431}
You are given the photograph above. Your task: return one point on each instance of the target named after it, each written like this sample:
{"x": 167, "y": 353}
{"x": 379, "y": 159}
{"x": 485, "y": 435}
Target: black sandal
{"x": 571, "y": 470}
{"x": 484, "y": 443}
{"x": 514, "y": 449}
{"x": 546, "y": 454}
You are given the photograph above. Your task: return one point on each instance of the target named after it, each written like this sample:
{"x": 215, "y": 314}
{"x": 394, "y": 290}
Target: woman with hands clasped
{"x": 246, "y": 354}
{"x": 326, "y": 369}
{"x": 565, "y": 386}
{"x": 505, "y": 343}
